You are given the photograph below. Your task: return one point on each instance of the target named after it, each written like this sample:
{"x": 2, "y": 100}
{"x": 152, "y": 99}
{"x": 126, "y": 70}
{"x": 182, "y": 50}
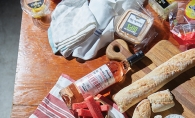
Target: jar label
{"x": 36, "y": 4}
{"x": 190, "y": 10}
{"x": 96, "y": 81}
{"x": 134, "y": 25}
{"x": 162, "y": 3}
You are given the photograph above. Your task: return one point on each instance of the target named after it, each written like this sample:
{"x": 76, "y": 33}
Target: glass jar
{"x": 36, "y": 8}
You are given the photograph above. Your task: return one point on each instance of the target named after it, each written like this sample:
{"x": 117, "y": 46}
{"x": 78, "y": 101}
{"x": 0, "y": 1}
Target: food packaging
{"x": 182, "y": 24}
{"x": 134, "y": 26}
{"x": 163, "y": 7}
{"x": 36, "y": 8}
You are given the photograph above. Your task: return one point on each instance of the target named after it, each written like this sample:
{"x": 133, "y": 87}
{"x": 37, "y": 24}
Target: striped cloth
{"x": 52, "y": 106}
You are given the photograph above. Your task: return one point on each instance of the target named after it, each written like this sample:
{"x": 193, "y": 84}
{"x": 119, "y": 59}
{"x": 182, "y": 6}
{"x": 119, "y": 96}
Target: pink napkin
{"x": 52, "y": 106}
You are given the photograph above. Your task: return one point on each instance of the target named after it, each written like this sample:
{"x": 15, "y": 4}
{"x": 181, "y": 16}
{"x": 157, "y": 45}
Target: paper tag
{"x": 134, "y": 25}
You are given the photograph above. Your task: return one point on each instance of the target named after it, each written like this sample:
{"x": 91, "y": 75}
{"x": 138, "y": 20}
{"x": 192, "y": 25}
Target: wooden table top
{"x": 38, "y": 69}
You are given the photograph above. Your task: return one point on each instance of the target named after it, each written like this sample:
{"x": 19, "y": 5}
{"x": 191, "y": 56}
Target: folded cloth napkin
{"x": 72, "y": 22}
{"x": 52, "y": 106}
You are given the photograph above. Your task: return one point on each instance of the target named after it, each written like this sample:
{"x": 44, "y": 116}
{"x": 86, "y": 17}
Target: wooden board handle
{"x": 118, "y": 50}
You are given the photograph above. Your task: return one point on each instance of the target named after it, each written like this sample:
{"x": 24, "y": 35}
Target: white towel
{"x": 71, "y": 24}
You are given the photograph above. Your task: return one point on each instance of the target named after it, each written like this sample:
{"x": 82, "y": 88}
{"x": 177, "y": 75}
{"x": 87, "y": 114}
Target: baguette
{"x": 142, "y": 110}
{"x": 161, "y": 101}
{"x": 153, "y": 81}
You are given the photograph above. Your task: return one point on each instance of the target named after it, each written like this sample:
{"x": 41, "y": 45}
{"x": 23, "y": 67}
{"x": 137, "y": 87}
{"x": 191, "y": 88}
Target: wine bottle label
{"x": 134, "y": 25}
{"x": 96, "y": 81}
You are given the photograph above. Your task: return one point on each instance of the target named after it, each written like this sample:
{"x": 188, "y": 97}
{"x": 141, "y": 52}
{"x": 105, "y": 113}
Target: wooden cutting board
{"x": 182, "y": 87}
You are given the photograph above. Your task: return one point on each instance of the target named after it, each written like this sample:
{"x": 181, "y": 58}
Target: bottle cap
{"x": 136, "y": 57}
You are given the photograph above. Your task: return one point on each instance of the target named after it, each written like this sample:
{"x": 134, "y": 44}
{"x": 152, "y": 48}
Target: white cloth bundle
{"x": 83, "y": 42}
{"x": 71, "y": 22}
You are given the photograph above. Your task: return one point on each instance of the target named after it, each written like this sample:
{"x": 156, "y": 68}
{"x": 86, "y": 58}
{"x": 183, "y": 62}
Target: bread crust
{"x": 154, "y": 80}
{"x": 142, "y": 110}
{"x": 161, "y": 101}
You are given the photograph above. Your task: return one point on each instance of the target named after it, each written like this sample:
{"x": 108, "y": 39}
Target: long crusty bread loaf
{"x": 153, "y": 81}
{"x": 161, "y": 101}
{"x": 142, "y": 110}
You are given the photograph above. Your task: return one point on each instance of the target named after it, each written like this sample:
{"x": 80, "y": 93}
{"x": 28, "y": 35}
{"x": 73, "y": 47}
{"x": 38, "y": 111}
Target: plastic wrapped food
{"x": 135, "y": 27}
{"x": 163, "y": 7}
{"x": 182, "y": 24}
{"x": 36, "y": 8}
